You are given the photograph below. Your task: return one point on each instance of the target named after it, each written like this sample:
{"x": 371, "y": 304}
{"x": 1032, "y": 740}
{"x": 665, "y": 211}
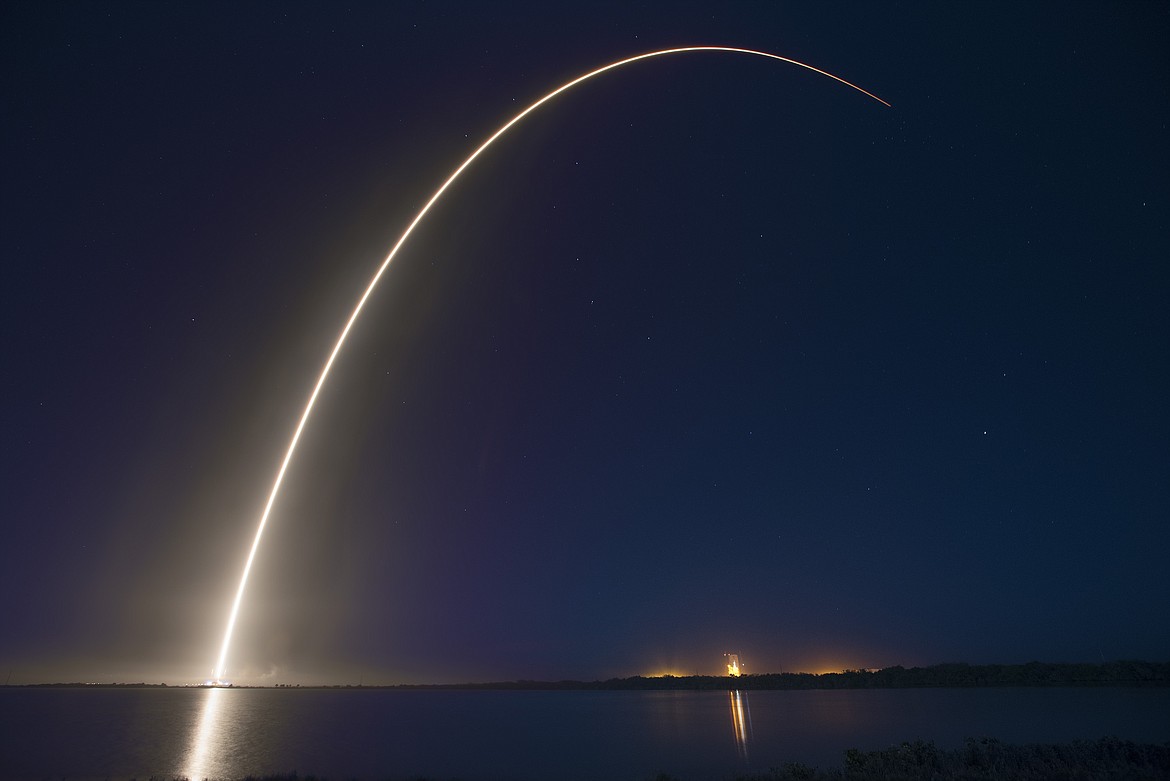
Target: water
{"x": 482, "y": 735}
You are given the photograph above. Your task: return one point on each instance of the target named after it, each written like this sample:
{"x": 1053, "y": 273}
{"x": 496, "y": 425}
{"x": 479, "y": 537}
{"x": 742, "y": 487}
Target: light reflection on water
{"x": 213, "y": 750}
{"x": 204, "y": 756}
{"x": 240, "y": 732}
{"x": 741, "y": 722}
{"x": 493, "y": 735}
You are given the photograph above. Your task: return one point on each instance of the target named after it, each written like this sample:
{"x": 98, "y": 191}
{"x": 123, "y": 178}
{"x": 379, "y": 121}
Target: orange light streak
{"x": 741, "y": 722}
{"x": 221, "y": 664}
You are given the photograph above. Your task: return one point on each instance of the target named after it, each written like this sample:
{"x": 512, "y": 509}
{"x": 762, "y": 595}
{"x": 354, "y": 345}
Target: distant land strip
{"x": 953, "y": 675}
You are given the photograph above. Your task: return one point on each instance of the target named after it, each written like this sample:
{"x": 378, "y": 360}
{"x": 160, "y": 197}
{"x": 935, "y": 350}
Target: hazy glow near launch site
{"x": 219, "y": 671}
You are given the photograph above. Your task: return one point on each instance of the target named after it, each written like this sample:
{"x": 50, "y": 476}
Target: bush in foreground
{"x": 990, "y": 760}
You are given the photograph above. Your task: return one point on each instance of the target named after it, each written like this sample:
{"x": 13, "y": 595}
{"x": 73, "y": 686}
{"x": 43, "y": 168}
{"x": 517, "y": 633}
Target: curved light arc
{"x": 220, "y": 665}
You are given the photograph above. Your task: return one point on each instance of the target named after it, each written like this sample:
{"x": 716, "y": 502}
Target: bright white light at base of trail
{"x": 221, "y": 664}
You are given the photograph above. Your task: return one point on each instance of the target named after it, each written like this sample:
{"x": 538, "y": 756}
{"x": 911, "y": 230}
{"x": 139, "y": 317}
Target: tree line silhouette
{"x": 958, "y": 675}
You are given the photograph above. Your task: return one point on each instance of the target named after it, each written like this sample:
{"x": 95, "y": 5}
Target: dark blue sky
{"x": 711, "y": 354}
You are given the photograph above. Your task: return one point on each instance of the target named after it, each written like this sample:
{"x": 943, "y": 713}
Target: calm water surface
{"x": 477, "y": 736}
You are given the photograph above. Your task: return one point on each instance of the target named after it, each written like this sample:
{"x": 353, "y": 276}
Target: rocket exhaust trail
{"x": 221, "y": 662}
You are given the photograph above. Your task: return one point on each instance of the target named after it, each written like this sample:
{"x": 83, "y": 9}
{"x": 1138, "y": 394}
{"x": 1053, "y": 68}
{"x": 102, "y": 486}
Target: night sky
{"x": 712, "y": 354}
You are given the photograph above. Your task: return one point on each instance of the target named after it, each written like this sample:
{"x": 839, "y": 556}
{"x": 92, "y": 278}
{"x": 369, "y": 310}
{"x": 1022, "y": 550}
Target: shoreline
{"x": 1128, "y": 673}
